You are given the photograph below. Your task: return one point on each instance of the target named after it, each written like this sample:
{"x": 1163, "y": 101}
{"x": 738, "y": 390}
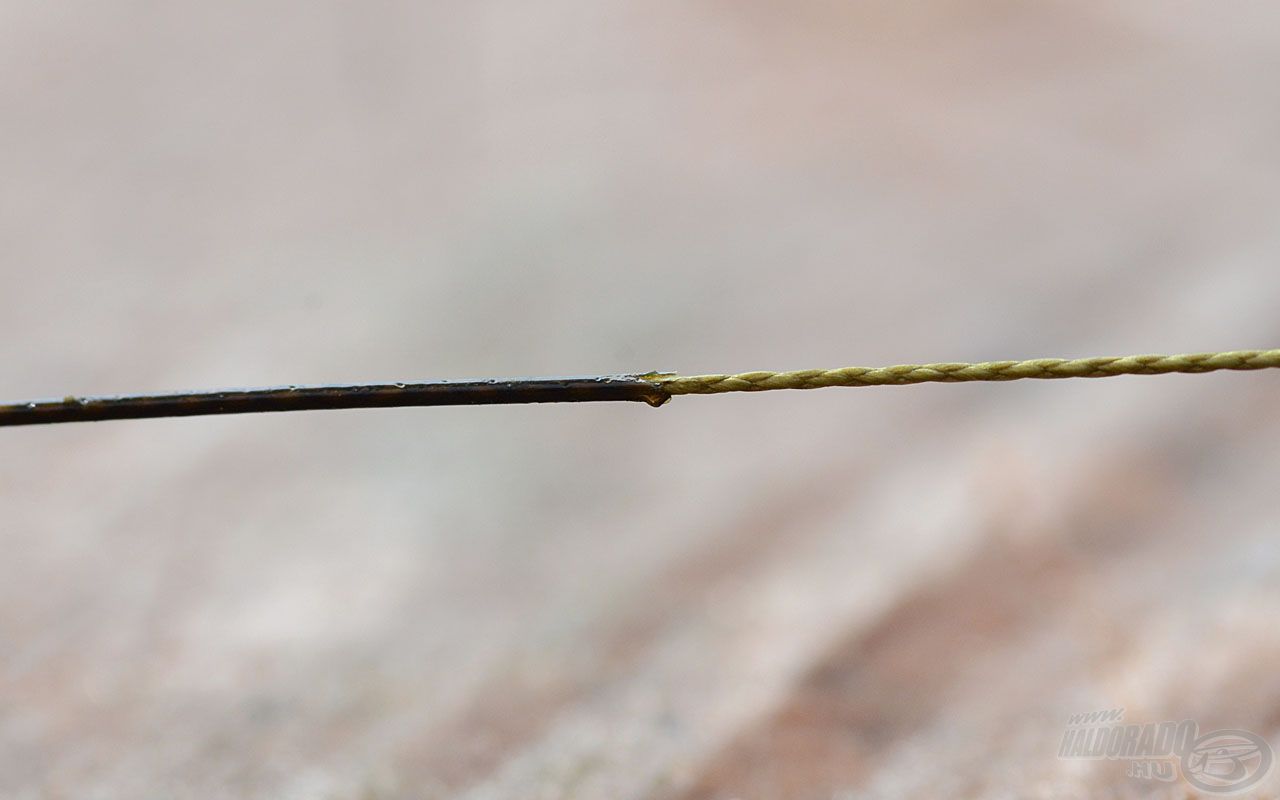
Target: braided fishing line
{"x": 653, "y": 388}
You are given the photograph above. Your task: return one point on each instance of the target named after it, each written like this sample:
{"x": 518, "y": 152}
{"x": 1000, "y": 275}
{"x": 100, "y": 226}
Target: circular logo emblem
{"x": 1226, "y": 761}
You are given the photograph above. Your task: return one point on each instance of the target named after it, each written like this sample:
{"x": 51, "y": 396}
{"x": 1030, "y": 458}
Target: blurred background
{"x": 833, "y": 594}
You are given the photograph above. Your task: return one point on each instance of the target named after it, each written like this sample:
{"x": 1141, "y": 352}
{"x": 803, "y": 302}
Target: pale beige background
{"x": 897, "y": 593}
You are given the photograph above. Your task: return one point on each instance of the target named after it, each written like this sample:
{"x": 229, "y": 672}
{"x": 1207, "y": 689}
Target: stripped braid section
{"x": 903, "y": 374}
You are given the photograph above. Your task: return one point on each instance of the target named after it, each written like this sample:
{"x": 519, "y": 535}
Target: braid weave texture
{"x": 903, "y": 374}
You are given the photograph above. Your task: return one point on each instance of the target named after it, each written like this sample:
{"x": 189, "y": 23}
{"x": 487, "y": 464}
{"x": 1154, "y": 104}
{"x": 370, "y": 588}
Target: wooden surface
{"x": 844, "y": 593}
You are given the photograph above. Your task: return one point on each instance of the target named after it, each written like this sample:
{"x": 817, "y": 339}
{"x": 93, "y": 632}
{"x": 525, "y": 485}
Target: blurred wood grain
{"x": 884, "y": 593}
